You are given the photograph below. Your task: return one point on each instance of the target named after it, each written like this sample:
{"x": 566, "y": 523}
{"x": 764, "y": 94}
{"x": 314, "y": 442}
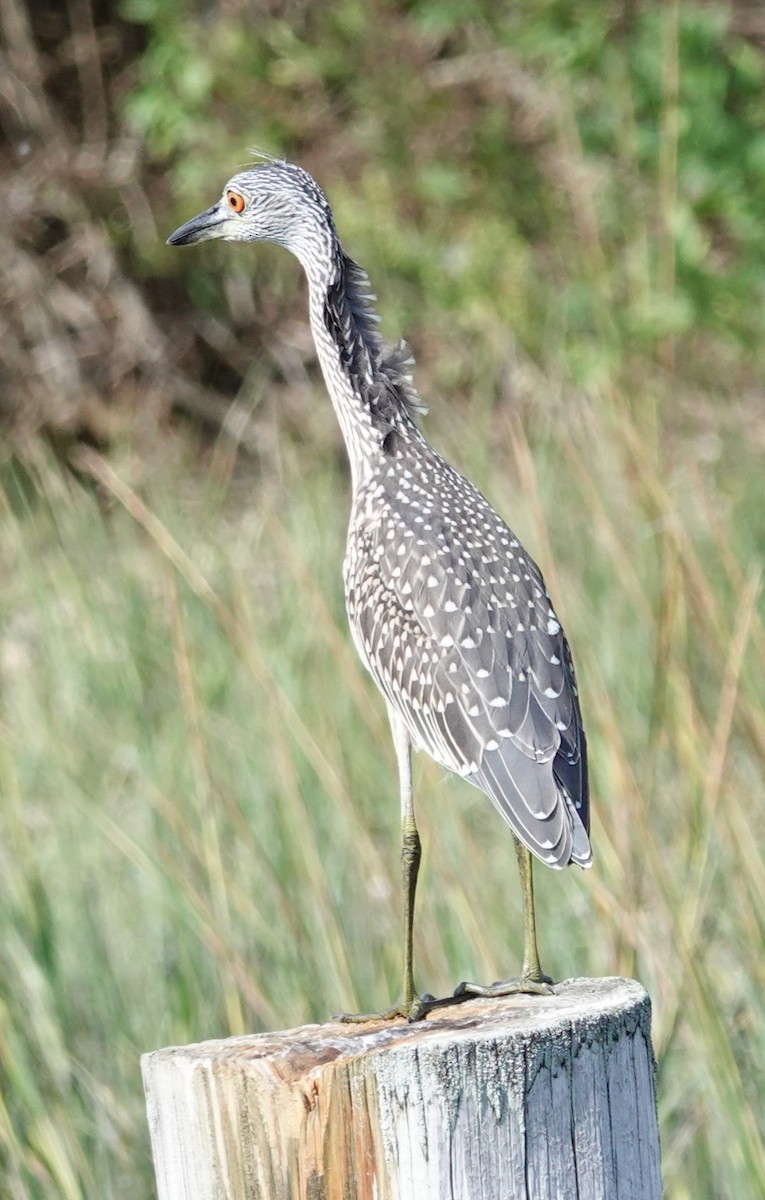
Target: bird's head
{"x": 273, "y": 202}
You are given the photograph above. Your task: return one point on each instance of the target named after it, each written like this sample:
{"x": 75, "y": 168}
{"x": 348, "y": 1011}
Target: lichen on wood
{"x": 530, "y": 1096}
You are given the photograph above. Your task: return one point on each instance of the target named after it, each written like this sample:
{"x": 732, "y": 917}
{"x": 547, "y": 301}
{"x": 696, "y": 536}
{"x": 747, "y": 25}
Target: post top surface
{"x": 577, "y": 1002}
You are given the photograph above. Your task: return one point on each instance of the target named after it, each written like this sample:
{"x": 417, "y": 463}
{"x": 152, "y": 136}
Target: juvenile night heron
{"x": 447, "y": 610}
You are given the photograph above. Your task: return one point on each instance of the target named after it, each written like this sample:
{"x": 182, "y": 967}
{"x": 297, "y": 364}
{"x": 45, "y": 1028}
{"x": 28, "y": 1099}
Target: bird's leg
{"x": 531, "y": 971}
{"x": 410, "y": 1004}
{"x": 531, "y": 978}
{"x": 411, "y": 852}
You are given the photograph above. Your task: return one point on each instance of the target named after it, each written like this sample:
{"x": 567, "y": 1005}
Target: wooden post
{"x": 545, "y": 1098}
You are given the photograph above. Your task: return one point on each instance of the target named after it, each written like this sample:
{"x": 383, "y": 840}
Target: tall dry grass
{"x": 200, "y": 822}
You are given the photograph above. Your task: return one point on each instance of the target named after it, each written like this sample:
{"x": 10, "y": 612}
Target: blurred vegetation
{"x": 560, "y": 205}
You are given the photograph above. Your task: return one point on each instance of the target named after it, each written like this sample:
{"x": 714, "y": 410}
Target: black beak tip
{"x": 198, "y": 229}
{"x": 182, "y": 236}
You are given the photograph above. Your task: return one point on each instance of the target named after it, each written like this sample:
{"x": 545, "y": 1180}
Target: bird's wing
{"x": 465, "y": 644}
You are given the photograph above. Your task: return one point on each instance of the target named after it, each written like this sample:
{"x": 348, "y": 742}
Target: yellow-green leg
{"x": 410, "y": 1005}
{"x": 531, "y": 978}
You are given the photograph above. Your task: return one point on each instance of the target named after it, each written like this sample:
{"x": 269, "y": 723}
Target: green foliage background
{"x": 560, "y": 205}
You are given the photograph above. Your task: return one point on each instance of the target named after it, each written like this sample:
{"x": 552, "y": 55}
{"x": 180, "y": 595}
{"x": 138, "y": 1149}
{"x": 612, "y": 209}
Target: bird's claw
{"x": 428, "y": 1004}
{"x": 519, "y": 985}
{"x": 409, "y": 1010}
{"x": 527, "y": 983}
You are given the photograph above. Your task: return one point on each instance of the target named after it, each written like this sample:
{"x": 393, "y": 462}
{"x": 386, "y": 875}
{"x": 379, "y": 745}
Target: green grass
{"x": 199, "y": 828}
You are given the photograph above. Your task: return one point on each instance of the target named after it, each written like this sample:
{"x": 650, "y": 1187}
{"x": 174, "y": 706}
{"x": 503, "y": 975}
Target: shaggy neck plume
{"x": 378, "y": 374}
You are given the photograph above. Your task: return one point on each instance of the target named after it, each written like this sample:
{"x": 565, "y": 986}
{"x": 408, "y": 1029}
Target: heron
{"x": 447, "y": 610}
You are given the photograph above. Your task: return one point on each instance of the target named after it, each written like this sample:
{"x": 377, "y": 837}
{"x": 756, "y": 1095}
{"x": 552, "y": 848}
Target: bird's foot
{"x": 527, "y": 983}
{"x": 532, "y": 983}
{"x": 409, "y": 1010}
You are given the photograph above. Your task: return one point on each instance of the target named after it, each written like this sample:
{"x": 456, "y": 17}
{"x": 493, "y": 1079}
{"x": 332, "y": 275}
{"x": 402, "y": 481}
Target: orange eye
{"x": 235, "y": 201}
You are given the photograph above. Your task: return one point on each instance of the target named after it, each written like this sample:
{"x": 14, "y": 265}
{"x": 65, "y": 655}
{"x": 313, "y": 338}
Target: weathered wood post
{"x": 549, "y": 1098}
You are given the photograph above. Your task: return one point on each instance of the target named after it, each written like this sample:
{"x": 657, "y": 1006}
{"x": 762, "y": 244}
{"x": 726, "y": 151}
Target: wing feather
{"x": 466, "y": 646}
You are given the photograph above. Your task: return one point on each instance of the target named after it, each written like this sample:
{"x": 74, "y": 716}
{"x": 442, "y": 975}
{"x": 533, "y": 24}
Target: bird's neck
{"x": 370, "y": 387}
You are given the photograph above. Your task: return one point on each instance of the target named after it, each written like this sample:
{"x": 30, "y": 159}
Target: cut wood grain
{"x": 530, "y": 1097}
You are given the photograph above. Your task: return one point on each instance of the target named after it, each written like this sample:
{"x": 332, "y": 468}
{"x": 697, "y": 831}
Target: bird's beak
{"x": 209, "y": 224}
